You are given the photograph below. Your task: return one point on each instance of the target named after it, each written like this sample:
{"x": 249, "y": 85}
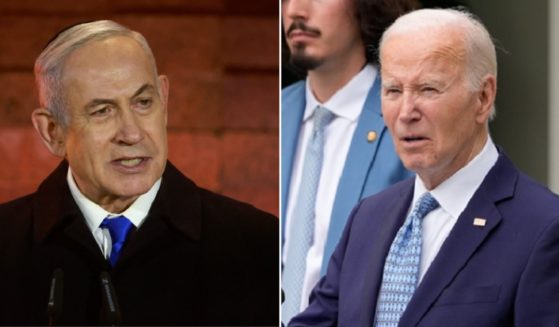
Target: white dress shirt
{"x": 94, "y": 214}
{"x": 347, "y": 104}
{"x": 453, "y": 195}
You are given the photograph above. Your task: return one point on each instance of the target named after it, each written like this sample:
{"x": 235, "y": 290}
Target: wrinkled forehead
{"x": 423, "y": 55}
{"x": 107, "y": 68}
{"x": 113, "y": 58}
{"x": 415, "y": 46}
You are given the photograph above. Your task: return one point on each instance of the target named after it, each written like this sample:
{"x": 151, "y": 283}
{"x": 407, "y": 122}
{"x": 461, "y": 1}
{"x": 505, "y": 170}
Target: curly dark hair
{"x": 374, "y": 16}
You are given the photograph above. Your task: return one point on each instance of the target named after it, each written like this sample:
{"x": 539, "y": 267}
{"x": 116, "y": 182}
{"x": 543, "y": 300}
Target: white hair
{"x": 50, "y": 63}
{"x": 480, "y": 50}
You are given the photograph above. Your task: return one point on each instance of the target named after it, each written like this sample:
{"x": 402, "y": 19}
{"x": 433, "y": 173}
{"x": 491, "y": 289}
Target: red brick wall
{"x": 221, "y": 57}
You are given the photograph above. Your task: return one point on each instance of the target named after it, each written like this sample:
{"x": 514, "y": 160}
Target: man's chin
{"x": 413, "y": 163}
{"x": 305, "y": 62}
{"x": 133, "y": 187}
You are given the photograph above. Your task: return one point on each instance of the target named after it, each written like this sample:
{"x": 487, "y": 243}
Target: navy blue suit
{"x": 503, "y": 274}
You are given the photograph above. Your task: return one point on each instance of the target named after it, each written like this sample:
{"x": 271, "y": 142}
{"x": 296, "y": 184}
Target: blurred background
{"x": 221, "y": 57}
{"x": 527, "y": 37}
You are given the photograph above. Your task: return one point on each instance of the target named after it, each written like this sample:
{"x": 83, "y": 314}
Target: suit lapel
{"x": 292, "y": 109}
{"x": 78, "y": 232}
{"x": 464, "y": 239}
{"x": 153, "y": 228}
{"x": 361, "y": 156}
{"x": 54, "y": 210}
{"x": 177, "y": 206}
{"x": 382, "y": 232}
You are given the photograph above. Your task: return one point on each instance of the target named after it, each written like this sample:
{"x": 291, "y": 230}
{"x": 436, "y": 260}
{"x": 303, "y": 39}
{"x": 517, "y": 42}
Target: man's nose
{"x": 409, "y": 110}
{"x": 129, "y": 128}
{"x": 295, "y": 9}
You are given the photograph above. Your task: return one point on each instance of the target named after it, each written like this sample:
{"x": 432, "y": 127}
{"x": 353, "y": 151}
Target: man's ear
{"x": 486, "y": 98}
{"x": 164, "y": 92}
{"x": 50, "y": 131}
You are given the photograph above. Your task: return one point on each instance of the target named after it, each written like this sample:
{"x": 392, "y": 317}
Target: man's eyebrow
{"x": 143, "y": 88}
{"x": 96, "y": 102}
{"x": 388, "y": 83}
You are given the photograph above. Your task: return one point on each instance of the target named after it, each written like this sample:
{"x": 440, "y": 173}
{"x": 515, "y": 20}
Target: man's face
{"x": 437, "y": 122}
{"x": 116, "y": 142}
{"x": 320, "y": 32}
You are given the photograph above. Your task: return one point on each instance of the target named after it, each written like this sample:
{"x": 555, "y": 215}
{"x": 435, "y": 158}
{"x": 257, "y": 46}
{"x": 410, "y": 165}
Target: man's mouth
{"x": 413, "y": 138}
{"x": 130, "y": 162}
{"x": 299, "y": 33}
{"x": 299, "y": 28}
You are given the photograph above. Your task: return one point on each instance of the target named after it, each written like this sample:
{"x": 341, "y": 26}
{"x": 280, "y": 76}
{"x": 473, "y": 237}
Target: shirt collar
{"x": 455, "y": 192}
{"x": 348, "y": 101}
{"x": 94, "y": 214}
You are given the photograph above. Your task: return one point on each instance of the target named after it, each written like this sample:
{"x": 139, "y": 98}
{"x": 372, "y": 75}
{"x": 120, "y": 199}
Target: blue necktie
{"x": 401, "y": 269}
{"x": 302, "y": 222}
{"x": 118, "y": 227}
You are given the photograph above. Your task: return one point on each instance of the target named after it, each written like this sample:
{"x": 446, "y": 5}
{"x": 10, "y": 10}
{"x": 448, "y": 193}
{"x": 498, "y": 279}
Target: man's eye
{"x": 429, "y": 89}
{"x": 101, "y": 112}
{"x": 144, "y": 103}
{"x": 393, "y": 91}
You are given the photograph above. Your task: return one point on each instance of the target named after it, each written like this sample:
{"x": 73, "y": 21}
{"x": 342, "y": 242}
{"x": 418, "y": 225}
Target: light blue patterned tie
{"x": 401, "y": 269}
{"x": 302, "y": 222}
{"x": 118, "y": 227}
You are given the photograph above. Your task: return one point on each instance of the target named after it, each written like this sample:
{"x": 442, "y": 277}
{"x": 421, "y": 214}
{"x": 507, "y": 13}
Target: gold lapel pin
{"x": 480, "y": 222}
{"x": 371, "y": 136}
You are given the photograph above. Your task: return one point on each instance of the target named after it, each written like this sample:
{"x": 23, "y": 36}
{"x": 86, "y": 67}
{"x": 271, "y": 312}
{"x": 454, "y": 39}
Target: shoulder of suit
{"x": 294, "y": 89}
{"x": 223, "y": 206}
{"x": 539, "y": 199}
{"x": 16, "y": 207}
{"x": 383, "y": 197}
{"x": 215, "y": 206}
{"x": 16, "y": 220}
{"x": 17, "y": 203}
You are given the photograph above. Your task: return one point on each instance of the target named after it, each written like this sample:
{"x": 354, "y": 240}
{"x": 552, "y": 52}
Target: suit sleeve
{"x": 323, "y": 305}
{"x": 537, "y": 301}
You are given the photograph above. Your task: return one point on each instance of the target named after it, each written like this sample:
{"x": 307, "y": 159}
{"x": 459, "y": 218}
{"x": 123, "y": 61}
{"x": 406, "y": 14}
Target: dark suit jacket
{"x": 198, "y": 259}
{"x": 503, "y": 274}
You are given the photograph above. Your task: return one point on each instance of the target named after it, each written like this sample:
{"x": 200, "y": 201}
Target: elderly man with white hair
{"x": 470, "y": 241}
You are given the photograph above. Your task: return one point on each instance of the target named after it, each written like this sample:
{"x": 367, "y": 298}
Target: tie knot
{"x": 426, "y": 204}
{"x": 118, "y": 227}
{"x": 322, "y": 117}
